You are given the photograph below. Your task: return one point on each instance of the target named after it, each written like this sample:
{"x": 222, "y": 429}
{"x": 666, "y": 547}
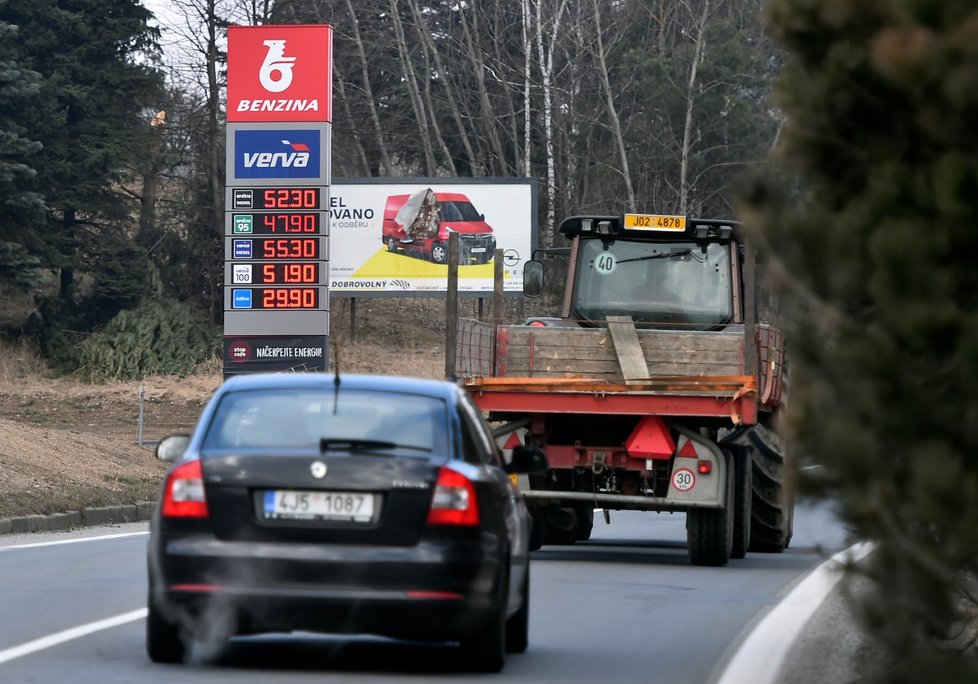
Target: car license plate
{"x": 288, "y": 504}
{"x": 477, "y": 250}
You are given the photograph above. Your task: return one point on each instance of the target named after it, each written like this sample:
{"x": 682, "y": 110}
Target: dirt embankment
{"x": 65, "y": 445}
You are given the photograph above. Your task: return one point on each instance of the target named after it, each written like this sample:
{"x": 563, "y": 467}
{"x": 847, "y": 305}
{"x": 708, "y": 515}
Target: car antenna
{"x": 336, "y": 377}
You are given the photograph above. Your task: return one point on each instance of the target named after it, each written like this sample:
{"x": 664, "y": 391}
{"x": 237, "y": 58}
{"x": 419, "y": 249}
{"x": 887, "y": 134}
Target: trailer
{"x": 656, "y": 389}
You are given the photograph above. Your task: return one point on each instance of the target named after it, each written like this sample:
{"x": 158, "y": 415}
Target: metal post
{"x": 139, "y": 424}
{"x": 353, "y": 319}
{"x": 451, "y": 306}
{"x": 498, "y": 288}
{"x": 481, "y": 312}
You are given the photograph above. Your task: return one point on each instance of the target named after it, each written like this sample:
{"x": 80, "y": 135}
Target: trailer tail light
{"x": 704, "y": 467}
{"x": 183, "y": 496}
{"x": 454, "y": 501}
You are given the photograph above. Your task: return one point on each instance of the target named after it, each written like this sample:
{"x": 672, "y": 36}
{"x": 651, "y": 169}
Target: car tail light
{"x": 454, "y": 501}
{"x": 183, "y": 496}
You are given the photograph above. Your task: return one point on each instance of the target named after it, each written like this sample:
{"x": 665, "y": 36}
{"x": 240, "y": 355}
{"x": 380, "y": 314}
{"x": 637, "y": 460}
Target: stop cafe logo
{"x": 279, "y": 73}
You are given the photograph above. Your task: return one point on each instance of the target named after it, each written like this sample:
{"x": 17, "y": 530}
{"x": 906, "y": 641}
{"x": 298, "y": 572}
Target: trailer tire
{"x": 710, "y": 531}
{"x": 772, "y": 504}
{"x": 585, "y": 522}
{"x": 743, "y": 495}
{"x": 538, "y": 528}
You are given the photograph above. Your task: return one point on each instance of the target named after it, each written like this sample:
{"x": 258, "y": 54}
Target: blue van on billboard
{"x": 279, "y": 153}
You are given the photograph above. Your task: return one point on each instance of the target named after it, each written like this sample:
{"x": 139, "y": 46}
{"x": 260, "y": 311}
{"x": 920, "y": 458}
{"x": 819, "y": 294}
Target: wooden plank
{"x": 611, "y": 369}
{"x": 651, "y": 355}
{"x": 631, "y": 358}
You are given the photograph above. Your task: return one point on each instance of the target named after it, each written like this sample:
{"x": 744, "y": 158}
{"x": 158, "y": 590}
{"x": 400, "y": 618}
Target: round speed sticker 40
{"x": 683, "y": 479}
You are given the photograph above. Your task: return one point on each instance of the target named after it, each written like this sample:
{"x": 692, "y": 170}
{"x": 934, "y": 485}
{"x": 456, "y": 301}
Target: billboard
{"x": 390, "y": 236}
{"x": 279, "y": 73}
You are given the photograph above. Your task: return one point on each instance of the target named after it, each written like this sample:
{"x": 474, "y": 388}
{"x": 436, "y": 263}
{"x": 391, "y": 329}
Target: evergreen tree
{"x": 881, "y": 99}
{"x": 18, "y": 203}
{"x": 97, "y": 92}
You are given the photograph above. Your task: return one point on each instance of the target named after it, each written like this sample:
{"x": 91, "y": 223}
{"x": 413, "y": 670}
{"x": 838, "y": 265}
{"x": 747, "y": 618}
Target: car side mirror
{"x": 533, "y": 278}
{"x": 529, "y": 459}
{"x": 172, "y": 448}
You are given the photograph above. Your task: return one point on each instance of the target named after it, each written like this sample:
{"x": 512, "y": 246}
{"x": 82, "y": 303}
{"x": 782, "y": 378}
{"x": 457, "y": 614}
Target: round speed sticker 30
{"x": 683, "y": 479}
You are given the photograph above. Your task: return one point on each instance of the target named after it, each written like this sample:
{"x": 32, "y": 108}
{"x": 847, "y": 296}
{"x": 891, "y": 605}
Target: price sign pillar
{"x": 276, "y": 245}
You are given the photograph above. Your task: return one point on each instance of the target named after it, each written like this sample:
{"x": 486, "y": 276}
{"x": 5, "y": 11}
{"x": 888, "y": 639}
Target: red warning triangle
{"x": 688, "y": 450}
{"x": 513, "y": 441}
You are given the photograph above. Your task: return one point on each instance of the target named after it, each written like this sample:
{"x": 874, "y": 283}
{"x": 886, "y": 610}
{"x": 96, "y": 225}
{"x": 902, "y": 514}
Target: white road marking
{"x": 69, "y": 634}
{"x": 73, "y": 541}
{"x": 761, "y": 656}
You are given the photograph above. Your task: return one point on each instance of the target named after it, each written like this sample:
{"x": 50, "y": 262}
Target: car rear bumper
{"x": 433, "y": 590}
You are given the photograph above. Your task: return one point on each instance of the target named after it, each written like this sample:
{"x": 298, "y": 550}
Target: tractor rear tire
{"x": 772, "y": 505}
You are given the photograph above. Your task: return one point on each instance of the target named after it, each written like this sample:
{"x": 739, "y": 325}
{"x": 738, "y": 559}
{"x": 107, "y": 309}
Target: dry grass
{"x": 66, "y": 444}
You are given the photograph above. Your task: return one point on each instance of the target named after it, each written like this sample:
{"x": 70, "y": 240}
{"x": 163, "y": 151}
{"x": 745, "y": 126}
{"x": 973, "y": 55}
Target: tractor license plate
{"x": 655, "y": 222}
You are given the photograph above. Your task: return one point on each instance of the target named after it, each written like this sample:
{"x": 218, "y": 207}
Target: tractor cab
{"x": 662, "y": 271}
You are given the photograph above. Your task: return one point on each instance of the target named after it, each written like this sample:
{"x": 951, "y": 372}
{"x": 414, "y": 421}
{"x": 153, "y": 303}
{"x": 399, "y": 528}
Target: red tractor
{"x": 656, "y": 389}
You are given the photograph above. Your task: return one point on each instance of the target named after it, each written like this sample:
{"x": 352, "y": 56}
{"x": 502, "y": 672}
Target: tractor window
{"x": 675, "y": 284}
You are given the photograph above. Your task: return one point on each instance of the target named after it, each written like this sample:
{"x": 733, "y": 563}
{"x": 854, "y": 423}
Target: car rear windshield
{"x": 302, "y": 419}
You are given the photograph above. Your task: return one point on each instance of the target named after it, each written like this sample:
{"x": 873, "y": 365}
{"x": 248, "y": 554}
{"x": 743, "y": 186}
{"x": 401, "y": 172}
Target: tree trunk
{"x": 690, "y": 99}
{"x": 474, "y": 52}
{"x": 476, "y": 166}
{"x": 216, "y": 157}
{"x": 612, "y": 110}
{"x": 386, "y": 167}
{"x": 412, "y": 87}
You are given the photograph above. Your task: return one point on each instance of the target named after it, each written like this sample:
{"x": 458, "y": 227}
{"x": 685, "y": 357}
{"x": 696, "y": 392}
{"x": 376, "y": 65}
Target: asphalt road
{"x": 625, "y": 607}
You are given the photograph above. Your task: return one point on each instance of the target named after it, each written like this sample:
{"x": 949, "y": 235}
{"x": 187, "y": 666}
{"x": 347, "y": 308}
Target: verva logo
{"x": 277, "y": 154}
{"x": 279, "y": 73}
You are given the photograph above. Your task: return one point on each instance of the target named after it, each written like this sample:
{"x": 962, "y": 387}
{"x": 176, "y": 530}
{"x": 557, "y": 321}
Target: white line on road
{"x": 73, "y": 541}
{"x": 762, "y": 655}
{"x": 69, "y": 634}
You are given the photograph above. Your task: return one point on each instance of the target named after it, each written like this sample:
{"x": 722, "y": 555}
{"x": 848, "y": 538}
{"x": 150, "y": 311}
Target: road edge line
{"x": 57, "y": 638}
{"x": 763, "y": 653}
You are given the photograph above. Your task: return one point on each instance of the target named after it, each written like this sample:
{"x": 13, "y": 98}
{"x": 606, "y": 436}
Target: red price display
{"x": 290, "y": 223}
{"x": 287, "y": 298}
{"x": 289, "y": 198}
{"x": 289, "y": 273}
{"x": 290, "y": 248}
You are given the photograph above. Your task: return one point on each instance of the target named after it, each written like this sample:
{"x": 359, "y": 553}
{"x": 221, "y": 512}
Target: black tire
{"x": 585, "y": 522}
{"x": 561, "y": 526}
{"x": 773, "y": 496}
{"x": 710, "y": 531}
{"x": 518, "y": 626}
{"x": 538, "y": 528}
{"x": 485, "y": 651}
{"x": 163, "y": 642}
{"x": 439, "y": 253}
{"x": 742, "y": 499}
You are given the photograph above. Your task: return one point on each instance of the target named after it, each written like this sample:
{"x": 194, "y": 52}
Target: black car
{"x": 341, "y": 504}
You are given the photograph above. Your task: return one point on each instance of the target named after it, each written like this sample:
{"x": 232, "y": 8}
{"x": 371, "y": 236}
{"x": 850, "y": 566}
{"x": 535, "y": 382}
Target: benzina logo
{"x": 276, "y": 71}
{"x": 277, "y": 154}
{"x": 279, "y": 73}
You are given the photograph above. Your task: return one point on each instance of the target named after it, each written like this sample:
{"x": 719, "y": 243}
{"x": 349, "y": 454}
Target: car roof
{"x": 349, "y": 381}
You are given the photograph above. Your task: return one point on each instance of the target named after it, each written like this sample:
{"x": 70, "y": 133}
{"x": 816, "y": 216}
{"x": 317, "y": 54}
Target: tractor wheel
{"x": 772, "y": 505}
{"x": 585, "y": 521}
